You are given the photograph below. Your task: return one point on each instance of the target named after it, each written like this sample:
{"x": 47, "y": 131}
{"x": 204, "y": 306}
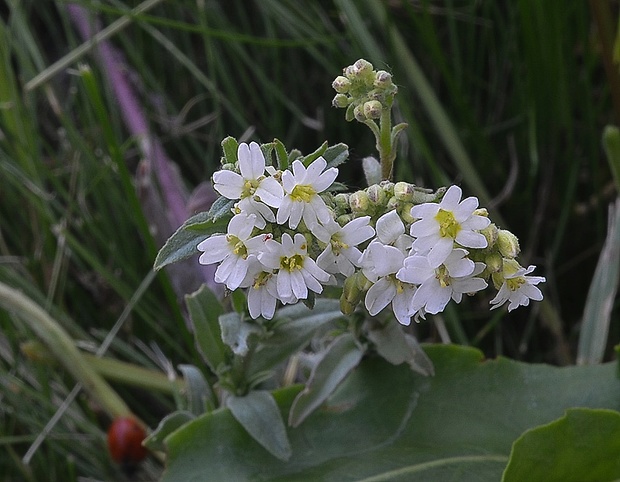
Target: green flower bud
{"x": 403, "y": 191}
{"x": 363, "y": 69}
{"x": 508, "y": 244}
{"x": 510, "y": 266}
{"x": 388, "y": 187}
{"x": 341, "y": 201}
{"x": 362, "y": 282}
{"x": 358, "y": 113}
{"x": 340, "y": 100}
{"x": 376, "y": 195}
{"x": 393, "y": 203}
{"x": 341, "y": 84}
{"x": 372, "y": 109}
{"x": 498, "y": 280}
{"x": 494, "y": 262}
{"x": 383, "y": 79}
{"x": 344, "y": 219}
{"x": 359, "y": 202}
{"x": 490, "y": 232}
{"x": 229, "y": 166}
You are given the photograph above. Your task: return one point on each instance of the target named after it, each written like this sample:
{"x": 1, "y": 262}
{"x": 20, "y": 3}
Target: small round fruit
{"x": 125, "y": 437}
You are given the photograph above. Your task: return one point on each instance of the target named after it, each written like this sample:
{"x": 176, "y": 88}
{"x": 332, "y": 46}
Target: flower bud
{"x": 376, "y": 195}
{"x": 362, "y": 68}
{"x": 490, "y": 233}
{"x": 383, "y": 79}
{"x": 341, "y": 201}
{"x": 359, "y": 202}
{"x": 229, "y": 166}
{"x": 340, "y": 100}
{"x": 393, "y": 203}
{"x": 344, "y": 219}
{"x": 387, "y": 186}
{"x": 508, "y": 244}
{"x": 358, "y": 113}
{"x": 341, "y": 84}
{"x": 372, "y": 109}
{"x": 403, "y": 191}
{"x": 494, "y": 262}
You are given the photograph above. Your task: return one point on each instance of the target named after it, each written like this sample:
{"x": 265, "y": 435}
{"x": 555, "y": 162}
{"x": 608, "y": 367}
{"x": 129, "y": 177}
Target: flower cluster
{"x": 393, "y": 245}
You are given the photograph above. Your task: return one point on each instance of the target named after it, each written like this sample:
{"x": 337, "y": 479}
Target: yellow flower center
{"x": 303, "y": 192}
{"x": 514, "y": 284}
{"x": 338, "y": 245}
{"x": 239, "y": 248}
{"x": 292, "y": 263}
{"x": 250, "y": 186}
{"x": 448, "y": 226}
{"x": 442, "y": 276}
{"x": 261, "y": 280}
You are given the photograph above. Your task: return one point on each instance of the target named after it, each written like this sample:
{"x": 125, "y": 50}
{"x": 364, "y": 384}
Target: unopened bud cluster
{"x": 363, "y": 91}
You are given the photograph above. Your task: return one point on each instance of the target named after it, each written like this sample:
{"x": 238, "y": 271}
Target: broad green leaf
{"x": 385, "y": 422}
{"x": 184, "y": 241}
{"x": 171, "y": 422}
{"x": 582, "y": 446}
{"x": 200, "y": 398}
{"x": 204, "y": 311}
{"x": 258, "y": 413}
{"x": 340, "y": 357}
{"x": 294, "y": 327}
{"x": 221, "y": 208}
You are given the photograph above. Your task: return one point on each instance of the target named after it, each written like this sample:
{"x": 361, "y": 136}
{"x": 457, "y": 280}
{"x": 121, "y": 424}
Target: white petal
{"x": 288, "y": 181}
{"x": 228, "y": 183}
{"x": 471, "y": 239}
{"x": 379, "y": 296}
{"x": 451, "y": 199}
{"x": 465, "y": 209}
{"x": 311, "y": 282}
{"x": 284, "y": 211}
{"x": 389, "y": 227}
{"x": 297, "y": 210}
{"x": 438, "y": 253}
{"x": 270, "y": 192}
{"x": 424, "y": 227}
{"x": 298, "y": 285}
{"x": 215, "y": 248}
{"x": 314, "y": 170}
{"x": 357, "y": 231}
{"x": 325, "y": 180}
{"x": 285, "y": 290}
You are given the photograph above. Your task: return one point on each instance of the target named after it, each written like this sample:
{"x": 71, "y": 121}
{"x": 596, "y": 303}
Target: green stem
{"x": 384, "y": 144}
{"x": 63, "y": 347}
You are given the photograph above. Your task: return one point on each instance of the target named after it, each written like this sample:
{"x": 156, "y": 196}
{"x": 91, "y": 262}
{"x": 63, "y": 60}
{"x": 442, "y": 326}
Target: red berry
{"x": 125, "y": 437}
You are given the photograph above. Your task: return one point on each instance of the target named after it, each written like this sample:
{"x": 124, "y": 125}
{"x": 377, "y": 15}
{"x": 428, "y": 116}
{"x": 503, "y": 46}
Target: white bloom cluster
{"x": 394, "y": 249}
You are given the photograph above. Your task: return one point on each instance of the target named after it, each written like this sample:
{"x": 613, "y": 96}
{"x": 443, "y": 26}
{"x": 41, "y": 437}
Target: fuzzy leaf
{"x": 336, "y": 154}
{"x": 183, "y": 243}
{"x": 229, "y": 147}
{"x": 199, "y": 395}
{"x": 259, "y": 415}
{"x": 236, "y": 332}
{"x": 171, "y": 422}
{"x": 385, "y": 422}
{"x": 204, "y": 311}
{"x": 341, "y": 356}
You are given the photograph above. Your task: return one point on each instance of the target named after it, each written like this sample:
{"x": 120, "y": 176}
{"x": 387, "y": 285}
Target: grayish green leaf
{"x": 259, "y": 415}
{"x": 340, "y": 357}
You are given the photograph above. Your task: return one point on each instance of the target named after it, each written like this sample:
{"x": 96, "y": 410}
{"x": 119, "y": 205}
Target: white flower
{"x": 296, "y": 271}
{"x": 391, "y": 230}
{"x": 262, "y": 293}
{"x": 380, "y": 263}
{"x": 517, "y": 288}
{"x": 301, "y": 199}
{"x": 233, "y": 250}
{"x": 439, "y": 226}
{"x": 341, "y": 254}
{"x": 255, "y": 191}
{"x": 456, "y": 276}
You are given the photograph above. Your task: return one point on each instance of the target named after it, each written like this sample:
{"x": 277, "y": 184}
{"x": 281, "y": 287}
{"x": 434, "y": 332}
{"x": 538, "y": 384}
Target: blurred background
{"x": 105, "y": 150}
